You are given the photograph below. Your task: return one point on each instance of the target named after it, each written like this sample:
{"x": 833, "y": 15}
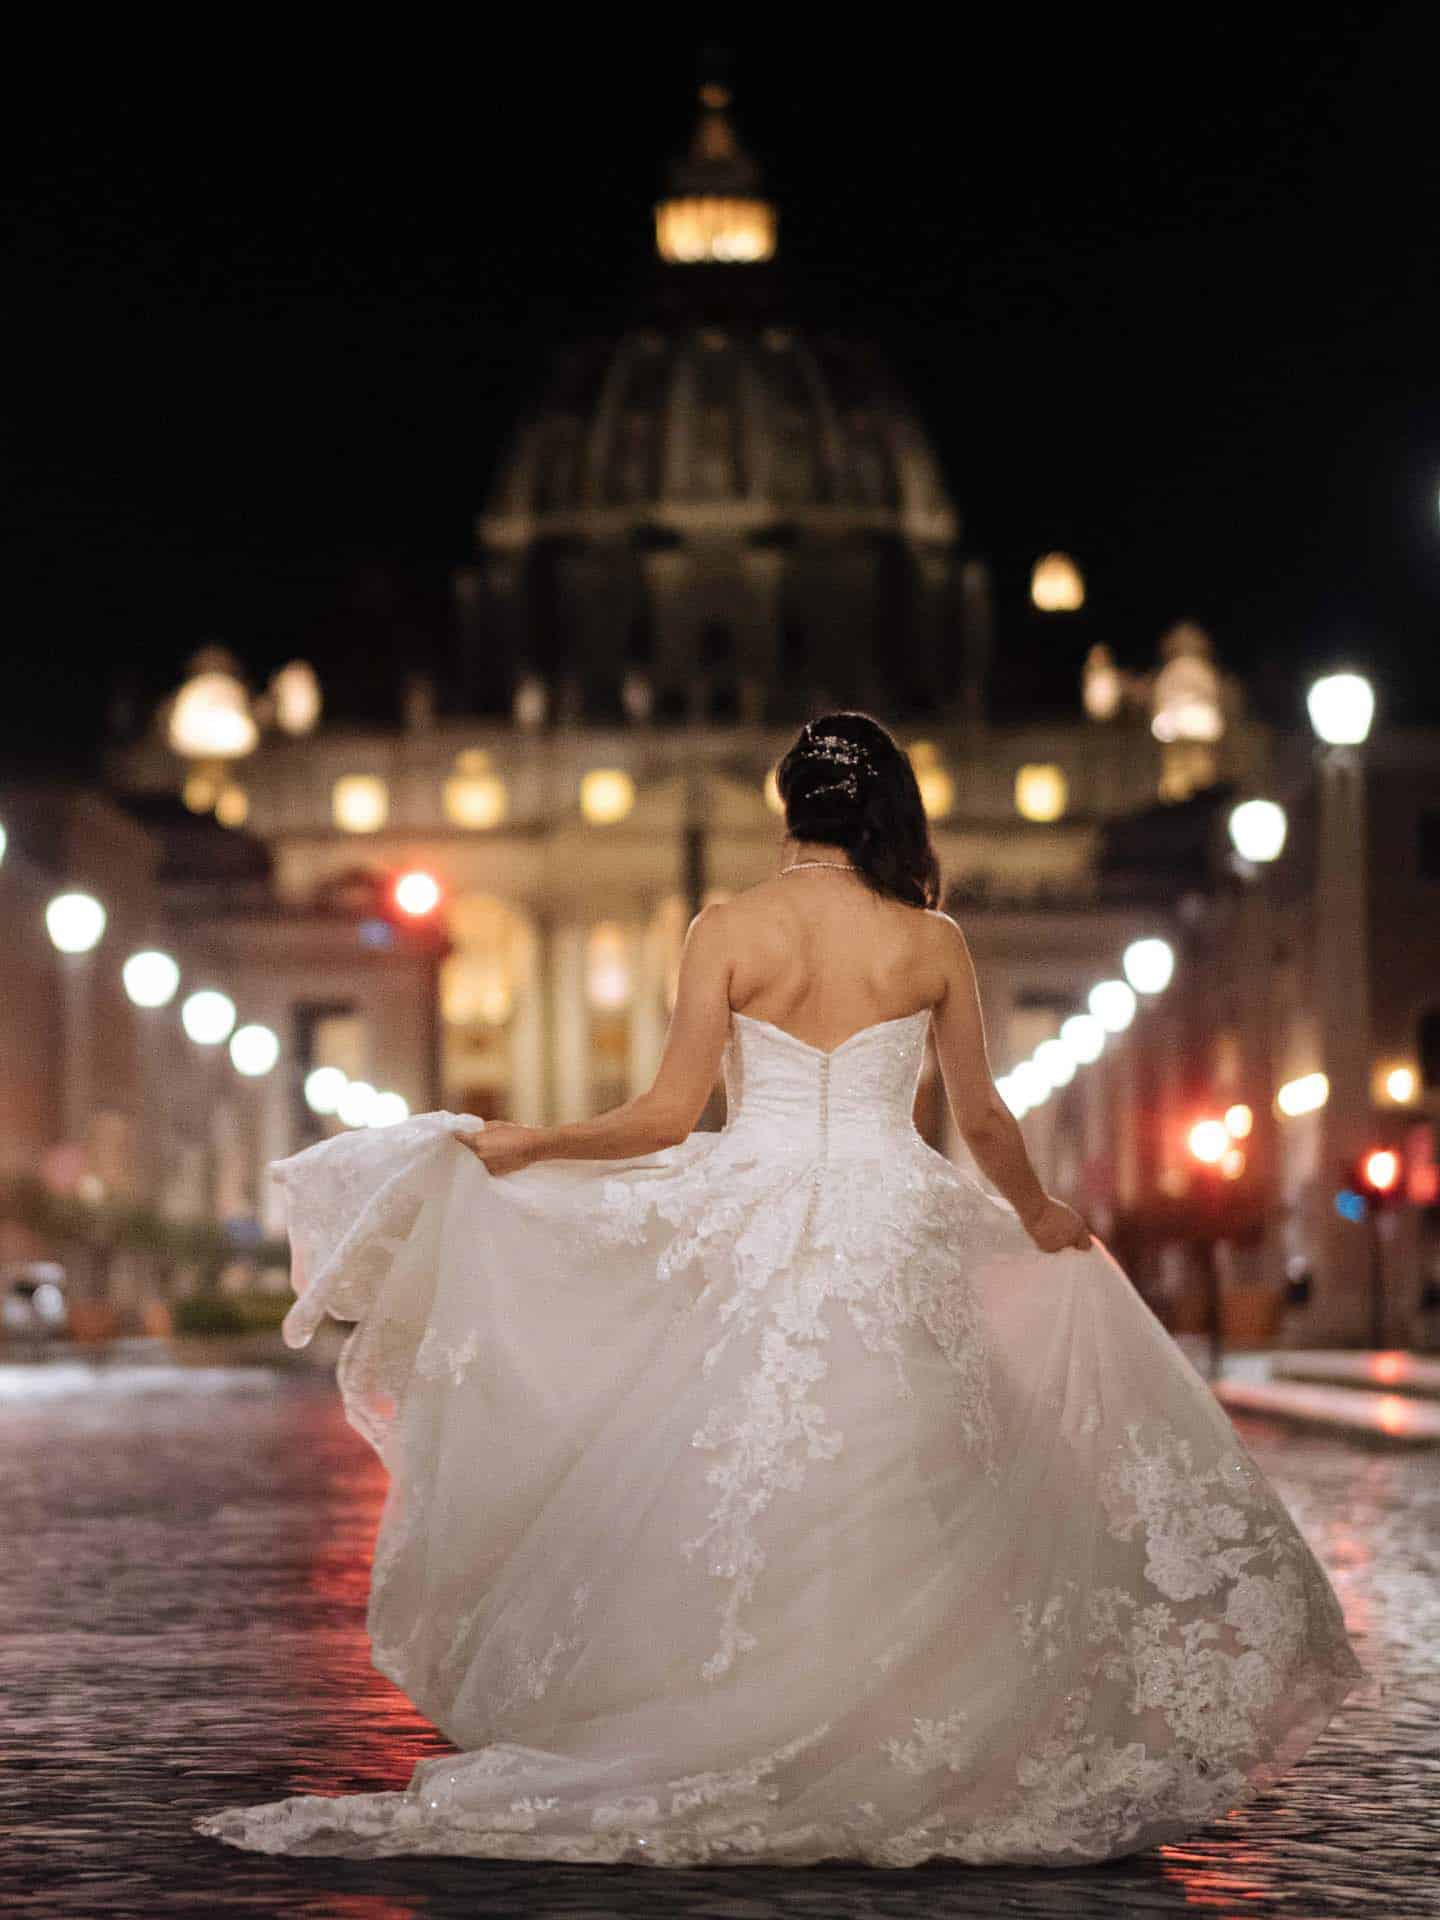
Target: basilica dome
{"x": 742, "y": 514}
{"x": 720, "y": 425}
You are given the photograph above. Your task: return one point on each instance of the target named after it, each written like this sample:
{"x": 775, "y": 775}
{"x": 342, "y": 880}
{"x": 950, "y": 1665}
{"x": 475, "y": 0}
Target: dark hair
{"x": 846, "y": 783}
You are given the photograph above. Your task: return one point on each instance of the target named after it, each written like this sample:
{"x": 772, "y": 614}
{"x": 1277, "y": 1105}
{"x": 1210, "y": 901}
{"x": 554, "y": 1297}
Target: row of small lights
{"x": 76, "y": 924}
{"x": 476, "y": 797}
{"x": 1149, "y": 966}
{"x": 1341, "y": 708}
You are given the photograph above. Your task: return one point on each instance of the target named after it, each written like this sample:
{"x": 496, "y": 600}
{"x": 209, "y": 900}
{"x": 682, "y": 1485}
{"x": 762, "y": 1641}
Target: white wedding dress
{"x": 770, "y": 1499}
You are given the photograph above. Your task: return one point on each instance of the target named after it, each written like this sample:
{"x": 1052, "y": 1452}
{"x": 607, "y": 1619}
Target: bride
{"x": 786, "y": 1493}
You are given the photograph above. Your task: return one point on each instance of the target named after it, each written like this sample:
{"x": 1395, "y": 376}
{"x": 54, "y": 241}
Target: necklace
{"x": 840, "y": 866}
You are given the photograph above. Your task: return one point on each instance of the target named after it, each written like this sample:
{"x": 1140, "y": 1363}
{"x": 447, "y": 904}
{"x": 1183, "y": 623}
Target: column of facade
{"x": 570, "y": 1025}
{"x": 648, "y": 1022}
{"x": 528, "y": 1094}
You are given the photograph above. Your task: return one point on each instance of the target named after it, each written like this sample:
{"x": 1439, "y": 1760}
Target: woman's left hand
{"x": 504, "y": 1146}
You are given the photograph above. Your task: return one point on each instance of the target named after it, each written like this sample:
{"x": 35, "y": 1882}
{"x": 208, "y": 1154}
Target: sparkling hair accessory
{"x": 849, "y": 758}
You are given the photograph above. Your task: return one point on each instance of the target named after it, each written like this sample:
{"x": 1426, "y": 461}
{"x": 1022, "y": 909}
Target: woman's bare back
{"x": 822, "y": 956}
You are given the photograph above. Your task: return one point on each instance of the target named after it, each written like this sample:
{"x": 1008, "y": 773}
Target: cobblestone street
{"x": 181, "y": 1627}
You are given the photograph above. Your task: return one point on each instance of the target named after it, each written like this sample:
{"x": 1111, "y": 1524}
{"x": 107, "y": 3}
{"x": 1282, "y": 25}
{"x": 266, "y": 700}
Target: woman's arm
{"x": 986, "y": 1124}
{"x": 664, "y": 1114}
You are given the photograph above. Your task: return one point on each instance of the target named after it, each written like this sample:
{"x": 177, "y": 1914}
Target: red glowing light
{"x": 417, "y": 893}
{"x": 1381, "y": 1168}
{"x": 1209, "y": 1141}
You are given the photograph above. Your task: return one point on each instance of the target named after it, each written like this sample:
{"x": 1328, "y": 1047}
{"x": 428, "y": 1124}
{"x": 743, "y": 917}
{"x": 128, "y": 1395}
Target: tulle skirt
{"x": 686, "y": 1582}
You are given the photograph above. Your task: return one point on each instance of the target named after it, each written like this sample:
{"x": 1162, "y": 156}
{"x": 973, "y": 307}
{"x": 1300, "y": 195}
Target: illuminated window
{"x": 606, "y": 795}
{"x": 1041, "y": 792}
{"x": 360, "y": 803}
{"x": 709, "y": 228}
{"x": 474, "y": 795}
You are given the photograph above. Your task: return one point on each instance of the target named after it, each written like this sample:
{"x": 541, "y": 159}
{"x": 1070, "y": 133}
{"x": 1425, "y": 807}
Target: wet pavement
{"x": 182, "y": 1598}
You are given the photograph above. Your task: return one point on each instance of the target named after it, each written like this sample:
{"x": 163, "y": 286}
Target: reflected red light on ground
{"x": 1394, "y": 1413}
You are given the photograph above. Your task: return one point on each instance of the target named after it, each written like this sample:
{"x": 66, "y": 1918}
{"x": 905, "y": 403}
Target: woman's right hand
{"x": 1055, "y": 1227}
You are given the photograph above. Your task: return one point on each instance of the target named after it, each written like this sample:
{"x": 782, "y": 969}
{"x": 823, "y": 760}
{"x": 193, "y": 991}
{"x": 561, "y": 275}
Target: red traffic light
{"x": 1209, "y": 1142}
{"x": 416, "y": 893}
{"x": 1380, "y": 1171}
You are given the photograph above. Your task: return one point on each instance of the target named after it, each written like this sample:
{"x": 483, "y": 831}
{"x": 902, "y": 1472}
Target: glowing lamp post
{"x": 1113, "y": 1004}
{"x": 208, "y": 1017}
{"x": 75, "y": 923}
{"x": 1257, "y": 831}
{"x": 254, "y": 1051}
{"x": 151, "y": 978}
{"x": 1056, "y": 1062}
{"x": 1149, "y": 965}
{"x": 1342, "y": 710}
{"x": 323, "y": 1089}
{"x": 356, "y": 1106}
{"x": 1027, "y": 1087}
{"x": 1084, "y": 1035}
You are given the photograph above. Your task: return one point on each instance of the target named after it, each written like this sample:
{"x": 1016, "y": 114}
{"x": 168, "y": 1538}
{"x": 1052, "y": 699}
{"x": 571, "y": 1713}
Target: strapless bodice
{"x": 791, "y": 1096}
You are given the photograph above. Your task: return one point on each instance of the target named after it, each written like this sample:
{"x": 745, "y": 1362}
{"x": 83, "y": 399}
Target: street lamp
{"x": 323, "y": 1088}
{"x": 254, "y": 1050}
{"x": 150, "y": 978}
{"x": 208, "y": 1016}
{"x": 356, "y": 1106}
{"x": 75, "y": 922}
{"x": 1113, "y": 1004}
{"x": 1056, "y": 1062}
{"x": 1028, "y": 1085}
{"x": 1149, "y": 965}
{"x": 1341, "y": 707}
{"x": 1011, "y": 1095}
{"x": 1257, "y": 831}
{"x": 1084, "y": 1035}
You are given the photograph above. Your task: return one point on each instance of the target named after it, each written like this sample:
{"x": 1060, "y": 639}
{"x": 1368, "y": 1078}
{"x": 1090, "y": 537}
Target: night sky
{"x": 1168, "y": 299}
